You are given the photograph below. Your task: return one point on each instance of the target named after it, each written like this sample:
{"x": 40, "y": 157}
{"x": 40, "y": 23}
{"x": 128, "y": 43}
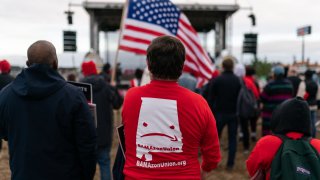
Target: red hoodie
{"x": 265, "y": 150}
{"x": 164, "y": 125}
{"x": 250, "y": 85}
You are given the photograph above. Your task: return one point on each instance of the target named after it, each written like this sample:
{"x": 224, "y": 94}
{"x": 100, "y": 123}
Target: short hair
{"x": 166, "y": 56}
{"x": 106, "y": 68}
{"x": 308, "y": 74}
{"x": 250, "y": 71}
{"x": 138, "y": 73}
{"x": 228, "y": 63}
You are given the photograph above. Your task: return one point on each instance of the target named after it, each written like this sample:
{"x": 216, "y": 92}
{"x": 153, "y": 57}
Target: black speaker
{"x": 250, "y": 43}
{"x": 69, "y": 41}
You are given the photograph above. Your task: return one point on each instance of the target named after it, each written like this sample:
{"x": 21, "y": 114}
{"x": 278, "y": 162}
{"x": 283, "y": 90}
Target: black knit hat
{"x": 293, "y": 115}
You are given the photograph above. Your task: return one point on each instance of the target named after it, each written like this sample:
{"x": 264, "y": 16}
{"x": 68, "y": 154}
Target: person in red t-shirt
{"x": 291, "y": 119}
{"x": 166, "y": 124}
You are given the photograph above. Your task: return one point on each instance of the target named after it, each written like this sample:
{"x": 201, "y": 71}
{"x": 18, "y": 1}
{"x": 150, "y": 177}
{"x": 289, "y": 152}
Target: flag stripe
{"x": 184, "y": 20}
{"x": 138, "y": 40}
{"x": 195, "y": 51}
{"x": 139, "y": 35}
{"x": 191, "y": 50}
{"x": 195, "y": 41}
{"x": 131, "y": 49}
{"x": 148, "y": 31}
{"x": 135, "y": 45}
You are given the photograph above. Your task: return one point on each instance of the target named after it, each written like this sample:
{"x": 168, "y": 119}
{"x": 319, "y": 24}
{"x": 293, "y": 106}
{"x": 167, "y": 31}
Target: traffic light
{"x": 69, "y": 41}
{"x": 250, "y": 43}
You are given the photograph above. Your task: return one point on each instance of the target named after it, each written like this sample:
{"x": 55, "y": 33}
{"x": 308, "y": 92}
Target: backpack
{"x": 296, "y": 160}
{"x": 247, "y": 106}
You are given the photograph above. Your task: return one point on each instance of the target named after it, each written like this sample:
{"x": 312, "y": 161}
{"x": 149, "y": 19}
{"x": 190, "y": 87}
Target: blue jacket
{"x": 49, "y": 128}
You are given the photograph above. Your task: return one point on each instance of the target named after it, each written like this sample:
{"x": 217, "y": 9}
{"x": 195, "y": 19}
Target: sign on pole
{"x": 69, "y": 41}
{"x": 304, "y": 31}
{"x": 250, "y": 43}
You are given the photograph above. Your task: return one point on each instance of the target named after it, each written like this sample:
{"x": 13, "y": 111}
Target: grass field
{"x": 239, "y": 171}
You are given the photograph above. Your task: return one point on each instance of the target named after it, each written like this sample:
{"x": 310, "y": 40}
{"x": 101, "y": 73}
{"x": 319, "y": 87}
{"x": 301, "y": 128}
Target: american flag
{"x": 148, "y": 19}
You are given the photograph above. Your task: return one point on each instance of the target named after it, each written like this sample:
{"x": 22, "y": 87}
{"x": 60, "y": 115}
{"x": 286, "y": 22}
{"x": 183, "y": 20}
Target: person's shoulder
{"x": 269, "y": 141}
{"x": 135, "y": 91}
{"x": 287, "y": 81}
{"x": 191, "y": 96}
{"x": 71, "y": 89}
{"x": 315, "y": 143}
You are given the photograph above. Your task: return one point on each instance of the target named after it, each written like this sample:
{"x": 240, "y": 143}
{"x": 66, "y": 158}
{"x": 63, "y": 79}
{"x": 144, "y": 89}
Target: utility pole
{"x": 302, "y": 49}
{"x": 302, "y": 32}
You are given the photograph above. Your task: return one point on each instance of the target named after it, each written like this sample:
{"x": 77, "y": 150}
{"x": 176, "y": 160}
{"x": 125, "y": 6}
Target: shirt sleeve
{"x": 316, "y": 144}
{"x": 210, "y": 147}
{"x": 86, "y": 138}
{"x": 263, "y": 153}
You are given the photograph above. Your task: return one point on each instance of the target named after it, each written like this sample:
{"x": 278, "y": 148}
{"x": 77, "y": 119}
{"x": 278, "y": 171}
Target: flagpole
{"x": 124, "y": 12}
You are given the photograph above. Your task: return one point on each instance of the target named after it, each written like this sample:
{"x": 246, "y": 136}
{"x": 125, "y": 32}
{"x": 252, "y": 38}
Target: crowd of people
{"x": 168, "y": 122}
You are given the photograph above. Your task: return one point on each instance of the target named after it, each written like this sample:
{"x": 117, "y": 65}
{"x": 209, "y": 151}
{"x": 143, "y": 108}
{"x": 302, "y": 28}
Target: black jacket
{"x": 295, "y": 81}
{"x": 106, "y": 99}
{"x": 49, "y": 128}
{"x": 223, "y": 93}
{"x": 312, "y": 90}
{"x": 5, "y": 79}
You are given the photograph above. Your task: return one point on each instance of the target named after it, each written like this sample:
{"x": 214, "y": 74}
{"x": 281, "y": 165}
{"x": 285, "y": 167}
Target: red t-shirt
{"x": 164, "y": 125}
{"x": 265, "y": 150}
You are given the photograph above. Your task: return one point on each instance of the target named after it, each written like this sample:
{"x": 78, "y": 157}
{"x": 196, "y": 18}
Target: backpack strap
{"x": 241, "y": 81}
{"x": 284, "y": 137}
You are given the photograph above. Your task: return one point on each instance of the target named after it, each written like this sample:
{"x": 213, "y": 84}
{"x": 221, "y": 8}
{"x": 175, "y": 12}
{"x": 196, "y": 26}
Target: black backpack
{"x": 247, "y": 106}
{"x": 295, "y": 160}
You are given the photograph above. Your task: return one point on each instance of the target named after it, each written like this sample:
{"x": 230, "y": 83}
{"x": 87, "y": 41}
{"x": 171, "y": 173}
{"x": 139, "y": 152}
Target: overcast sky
{"x": 22, "y": 22}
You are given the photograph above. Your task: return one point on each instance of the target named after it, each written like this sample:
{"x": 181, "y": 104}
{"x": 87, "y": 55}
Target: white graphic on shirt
{"x": 158, "y": 128}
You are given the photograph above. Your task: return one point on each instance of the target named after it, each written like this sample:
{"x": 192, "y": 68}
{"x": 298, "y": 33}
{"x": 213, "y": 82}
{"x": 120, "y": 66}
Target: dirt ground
{"x": 238, "y": 173}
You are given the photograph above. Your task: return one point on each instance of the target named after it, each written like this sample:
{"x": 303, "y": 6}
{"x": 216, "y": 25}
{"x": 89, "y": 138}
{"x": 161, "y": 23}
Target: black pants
{"x": 244, "y": 125}
{"x": 253, "y": 123}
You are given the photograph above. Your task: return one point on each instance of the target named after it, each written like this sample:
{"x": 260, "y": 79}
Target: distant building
{"x": 302, "y": 66}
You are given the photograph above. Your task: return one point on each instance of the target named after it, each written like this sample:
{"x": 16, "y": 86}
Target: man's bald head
{"x": 42, "y": 52}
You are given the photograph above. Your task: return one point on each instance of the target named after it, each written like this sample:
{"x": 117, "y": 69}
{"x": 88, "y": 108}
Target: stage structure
{"x": 106, "y": 16}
